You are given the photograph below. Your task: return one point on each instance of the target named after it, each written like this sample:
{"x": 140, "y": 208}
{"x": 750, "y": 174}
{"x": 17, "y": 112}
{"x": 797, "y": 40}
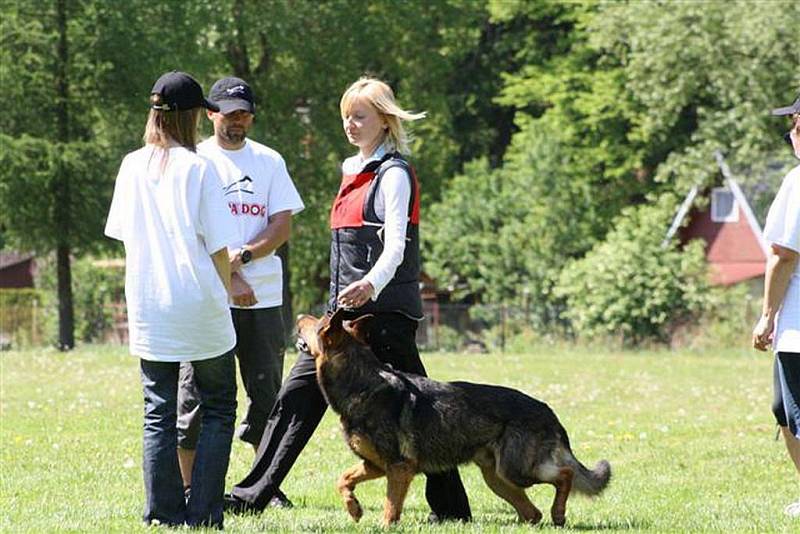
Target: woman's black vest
{"x": 357, "y": 240}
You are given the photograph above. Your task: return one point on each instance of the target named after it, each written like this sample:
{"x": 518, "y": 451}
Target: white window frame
{"x": 733, "y": 216}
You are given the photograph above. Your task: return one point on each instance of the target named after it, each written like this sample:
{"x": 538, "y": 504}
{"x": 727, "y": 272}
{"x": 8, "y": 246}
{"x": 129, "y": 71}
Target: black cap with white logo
{"x": 179, "y": 92}
{"x": 788, "y": 110}
{"x": 232, "y": 94}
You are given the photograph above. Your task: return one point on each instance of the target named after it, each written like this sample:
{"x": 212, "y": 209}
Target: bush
{"x": 95, "y": 292}
{"x": 633, "y": 288}
{"x": 448, "y": 339}
{"x": 19, "y": 316}
{"x": 726, "y": 321}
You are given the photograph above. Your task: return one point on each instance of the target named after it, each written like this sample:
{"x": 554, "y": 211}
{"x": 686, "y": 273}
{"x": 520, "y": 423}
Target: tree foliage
{"x": 546, "y": 120}
{"x": 622, "y": 106}
{"x": 632, "y": 288}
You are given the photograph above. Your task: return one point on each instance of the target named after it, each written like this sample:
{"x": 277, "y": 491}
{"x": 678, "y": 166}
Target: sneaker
{"x": 793, "y": 510}
{"x": 237, "y": 506}
{"x": 280, "y": 500}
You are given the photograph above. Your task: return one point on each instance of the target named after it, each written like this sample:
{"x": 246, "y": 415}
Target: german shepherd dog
{"x": 401, "y": 424}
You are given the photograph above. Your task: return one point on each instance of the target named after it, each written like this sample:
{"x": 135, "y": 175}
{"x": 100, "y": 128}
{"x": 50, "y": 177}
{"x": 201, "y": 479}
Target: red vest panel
{"x": 349, "y": 206}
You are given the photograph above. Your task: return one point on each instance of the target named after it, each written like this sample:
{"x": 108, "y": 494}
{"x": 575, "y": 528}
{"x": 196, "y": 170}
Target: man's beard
{"x": 234, "y": 136}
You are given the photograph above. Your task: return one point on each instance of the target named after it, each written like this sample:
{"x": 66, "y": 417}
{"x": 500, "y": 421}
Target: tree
{"x": 300, "y": 56}
{"x": 68, "y": 68}
{"x": 47, "y": 173}
{"x": 617, "y": 104}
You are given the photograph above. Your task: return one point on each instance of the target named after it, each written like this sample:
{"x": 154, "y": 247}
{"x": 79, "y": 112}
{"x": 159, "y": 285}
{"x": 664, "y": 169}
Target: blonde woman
{"x": 169, "y": 211}
{"x": 374, "y": 269}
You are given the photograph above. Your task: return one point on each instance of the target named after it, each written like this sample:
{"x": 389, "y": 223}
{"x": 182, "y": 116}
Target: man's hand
{"x": 241, "y": 292}
{"x": 235, "y": 255}
{"x": 356, "y": 294}
{"x": 763, "y": 332}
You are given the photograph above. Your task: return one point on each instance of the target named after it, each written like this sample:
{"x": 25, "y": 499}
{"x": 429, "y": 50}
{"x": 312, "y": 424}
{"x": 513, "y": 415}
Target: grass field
{"x": 689, "y": 436}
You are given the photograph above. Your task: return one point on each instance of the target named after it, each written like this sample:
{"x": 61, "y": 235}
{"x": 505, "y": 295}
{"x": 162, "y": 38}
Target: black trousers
{"x": 300, "y": 406}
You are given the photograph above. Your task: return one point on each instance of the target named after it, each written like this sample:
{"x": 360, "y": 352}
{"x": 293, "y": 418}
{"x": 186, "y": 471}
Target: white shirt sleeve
{"x": 394, "y": 194}
{"x": 783, "y": 221}
{"x": 283, "y": 195}
{"x": 216, "y": 225}
{"x": 116, "y": 213}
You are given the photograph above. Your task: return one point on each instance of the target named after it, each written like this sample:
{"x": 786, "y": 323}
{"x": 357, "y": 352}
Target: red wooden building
{"x": 16, "y": 270}
{"x": 735, "y": 246}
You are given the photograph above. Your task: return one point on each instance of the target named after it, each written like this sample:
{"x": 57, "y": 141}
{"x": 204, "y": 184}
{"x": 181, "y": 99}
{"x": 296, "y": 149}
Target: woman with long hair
{"x": 177, "y": 280}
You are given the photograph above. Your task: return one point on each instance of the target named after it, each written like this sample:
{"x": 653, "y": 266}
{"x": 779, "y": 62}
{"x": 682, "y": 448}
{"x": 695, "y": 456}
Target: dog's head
{"x": 332, "y": 333}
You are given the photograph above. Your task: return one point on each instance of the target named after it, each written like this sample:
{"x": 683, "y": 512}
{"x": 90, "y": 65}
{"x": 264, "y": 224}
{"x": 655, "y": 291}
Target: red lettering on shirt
{"x": 244, "y": 208}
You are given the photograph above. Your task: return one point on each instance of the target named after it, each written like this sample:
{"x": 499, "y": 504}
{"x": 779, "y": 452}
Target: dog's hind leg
{"x": 512, "y": 494}
{"x": 398, "y": 479}
{"x": 347, "y": 483}
{"x": 563, "y": 484}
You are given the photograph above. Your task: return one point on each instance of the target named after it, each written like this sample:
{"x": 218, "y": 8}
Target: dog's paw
{"x": 354, "y": 509}
{"x": 533, "y": 517}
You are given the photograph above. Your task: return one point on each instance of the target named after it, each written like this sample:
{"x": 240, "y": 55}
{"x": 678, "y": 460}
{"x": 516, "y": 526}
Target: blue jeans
{"x": 165, "y": 501}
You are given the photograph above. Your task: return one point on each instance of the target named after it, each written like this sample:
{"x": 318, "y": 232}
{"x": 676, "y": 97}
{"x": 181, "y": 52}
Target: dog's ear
{"x": 333, "y": 321}
{"x": 359, "y": 328}
{"x": 330, "y": 330}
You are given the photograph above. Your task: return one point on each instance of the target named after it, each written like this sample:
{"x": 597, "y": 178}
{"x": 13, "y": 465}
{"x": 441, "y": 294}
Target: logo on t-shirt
{"x": 245, "y": 185}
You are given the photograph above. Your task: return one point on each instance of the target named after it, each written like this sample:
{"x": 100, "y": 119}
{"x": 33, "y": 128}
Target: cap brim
{"x": 788, "y": 110}
{"x": 235, "y": 104}
{"x": 208, "y": 104}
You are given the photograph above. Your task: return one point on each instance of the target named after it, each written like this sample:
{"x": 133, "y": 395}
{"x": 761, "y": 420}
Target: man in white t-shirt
{"x": 779, "y": 324}
{"x": 261, "y": 199}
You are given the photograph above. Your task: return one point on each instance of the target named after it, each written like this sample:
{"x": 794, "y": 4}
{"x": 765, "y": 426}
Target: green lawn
{"x": 689, "y": 436}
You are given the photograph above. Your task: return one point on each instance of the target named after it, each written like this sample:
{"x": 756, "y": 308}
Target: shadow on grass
{"x": 511, "y": 521}
{"x": 630, "y": 524}
{"x": 331, "y": 518}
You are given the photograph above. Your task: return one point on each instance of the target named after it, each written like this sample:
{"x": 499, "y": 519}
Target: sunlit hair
{"x": 164, "y": 128}
{"x": 381, "y": 97}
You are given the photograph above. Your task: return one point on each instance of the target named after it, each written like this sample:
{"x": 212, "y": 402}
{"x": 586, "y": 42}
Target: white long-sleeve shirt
{"x": 391, "y": 207}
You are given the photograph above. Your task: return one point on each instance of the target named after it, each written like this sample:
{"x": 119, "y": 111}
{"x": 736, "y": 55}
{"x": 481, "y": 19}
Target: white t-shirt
{"x": 391, "y": 206}
{"x": 783, "y": 228}
{"x": 171, "y": 222}
{"x": 256, "y": 186}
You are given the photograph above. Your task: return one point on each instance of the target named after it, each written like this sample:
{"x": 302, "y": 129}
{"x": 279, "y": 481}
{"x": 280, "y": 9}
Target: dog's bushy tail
{"x": 586, "y": 481}
{"x": 589, "y": 481}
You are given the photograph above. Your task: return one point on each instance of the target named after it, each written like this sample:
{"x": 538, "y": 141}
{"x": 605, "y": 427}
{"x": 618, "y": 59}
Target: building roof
{"x": 736, "y": 250}
{"x": 10, "y": 258}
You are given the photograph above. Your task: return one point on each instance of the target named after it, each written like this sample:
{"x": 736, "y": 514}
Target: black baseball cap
{"x": 788, "y": 110}
{"x": 179, "y": 92}
{"x": 232, "y": 94}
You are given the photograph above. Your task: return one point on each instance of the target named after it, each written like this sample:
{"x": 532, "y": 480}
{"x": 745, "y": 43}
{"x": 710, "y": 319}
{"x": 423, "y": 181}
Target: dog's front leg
{"x": 398, "y": 479}
{"x": 346, "y": 485}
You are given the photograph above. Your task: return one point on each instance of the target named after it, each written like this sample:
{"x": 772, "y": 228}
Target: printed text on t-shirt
{"x": 245, "y": 208}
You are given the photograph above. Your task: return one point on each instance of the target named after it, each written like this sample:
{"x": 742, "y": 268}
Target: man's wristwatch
{"x": 247, "y": 255}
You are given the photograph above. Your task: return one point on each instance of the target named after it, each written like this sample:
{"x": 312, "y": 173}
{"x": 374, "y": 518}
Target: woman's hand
{"x": 356, "y": 294}
{"x": 762, "y": 333}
